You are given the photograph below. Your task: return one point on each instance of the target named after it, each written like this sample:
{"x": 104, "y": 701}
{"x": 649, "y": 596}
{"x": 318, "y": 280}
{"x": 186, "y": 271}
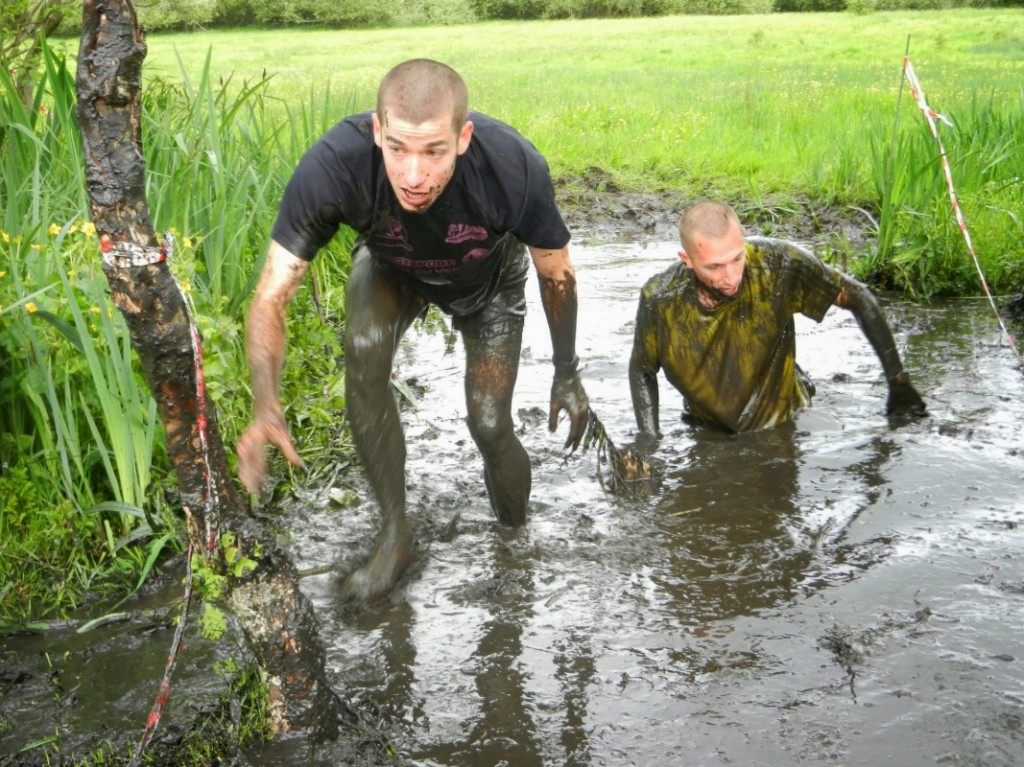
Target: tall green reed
{"x": 209, "y": 155}
{"x": 920, "y": 249}
{"x": 218, "y": 155}
{"x": 81, "y": 446}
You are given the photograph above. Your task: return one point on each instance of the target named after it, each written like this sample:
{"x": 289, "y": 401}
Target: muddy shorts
{"x": 505, "y": 312}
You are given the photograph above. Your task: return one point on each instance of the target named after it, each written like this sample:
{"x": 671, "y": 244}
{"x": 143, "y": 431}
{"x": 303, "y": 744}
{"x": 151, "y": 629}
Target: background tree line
{"x": 178, "y": 14}
{"x": 20, "y": 19}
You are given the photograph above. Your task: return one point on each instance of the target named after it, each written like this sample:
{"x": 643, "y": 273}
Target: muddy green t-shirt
{"x": 735, "y": 364}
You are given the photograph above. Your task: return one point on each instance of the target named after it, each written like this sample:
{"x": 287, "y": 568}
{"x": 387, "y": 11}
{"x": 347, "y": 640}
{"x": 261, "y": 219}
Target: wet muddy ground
{"x": 836, "y": 591}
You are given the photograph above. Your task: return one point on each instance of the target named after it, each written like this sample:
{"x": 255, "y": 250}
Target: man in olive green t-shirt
{"x": 720, "y": 326}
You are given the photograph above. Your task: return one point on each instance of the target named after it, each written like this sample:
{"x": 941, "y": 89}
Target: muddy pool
{"x": 836, "y": 591}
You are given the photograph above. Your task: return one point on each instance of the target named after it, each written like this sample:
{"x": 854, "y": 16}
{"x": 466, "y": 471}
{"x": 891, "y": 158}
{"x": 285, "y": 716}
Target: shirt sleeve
{"x": 540, "y": 223}
{"x": 328, "y": 188}
{"x": 518, "y": 181}
{"x": 645, "y": 334}
{"x": 821, "y": 286}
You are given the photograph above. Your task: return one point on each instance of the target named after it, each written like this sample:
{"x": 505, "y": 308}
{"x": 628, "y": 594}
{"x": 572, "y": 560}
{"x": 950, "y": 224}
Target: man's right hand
{"x": 252, "y": 455}
{"x": 904, "y": 402}
{"x": 567, "y": 394}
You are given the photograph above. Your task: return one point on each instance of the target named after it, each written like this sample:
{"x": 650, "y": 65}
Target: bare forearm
{"x": 558, "y": 295}
{"x": 265, "y": 324}
{"x": 265, "y": 338}
{"x": 560, "y": 308}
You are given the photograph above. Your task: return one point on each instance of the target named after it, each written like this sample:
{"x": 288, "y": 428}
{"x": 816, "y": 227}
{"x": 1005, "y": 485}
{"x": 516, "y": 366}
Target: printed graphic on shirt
{"x": 395, "y": 236}
{"x": 459, "y": 233}
{"x": 432, "y": 266}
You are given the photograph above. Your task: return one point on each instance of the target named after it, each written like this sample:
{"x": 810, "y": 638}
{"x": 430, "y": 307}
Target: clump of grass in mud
{"x": 82, "y": 503}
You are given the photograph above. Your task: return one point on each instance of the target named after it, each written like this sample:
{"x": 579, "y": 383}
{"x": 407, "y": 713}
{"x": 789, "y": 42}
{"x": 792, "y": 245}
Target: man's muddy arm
{"x": 265, "y": 348}
{"x": 558, "y": 295}
{"x": 903, "y": 397}
{"x": 643, "y": 387}
{"x": 643, "y": 369}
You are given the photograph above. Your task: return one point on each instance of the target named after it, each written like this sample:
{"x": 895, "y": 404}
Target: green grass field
{"x": 747, "y": 105}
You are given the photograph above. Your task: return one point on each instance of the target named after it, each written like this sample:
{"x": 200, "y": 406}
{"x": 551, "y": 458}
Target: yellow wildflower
{"x": 3, "y": 274}
{"x": 187, "y": 242}
{"x": 5, "y": 237}
{"x": 89, "y": 228}
{"x": 31, "y": 308}
{"x": 96, "y": 310}
{"x": 54, "y": 229}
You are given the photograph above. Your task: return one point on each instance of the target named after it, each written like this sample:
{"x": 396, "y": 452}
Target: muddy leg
{"x": 492, "y": 364}
{"x": 378, "y": 313}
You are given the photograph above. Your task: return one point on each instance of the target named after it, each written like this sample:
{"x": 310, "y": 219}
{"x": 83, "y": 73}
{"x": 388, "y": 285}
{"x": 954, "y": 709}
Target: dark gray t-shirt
{"x": 455, "y": 250}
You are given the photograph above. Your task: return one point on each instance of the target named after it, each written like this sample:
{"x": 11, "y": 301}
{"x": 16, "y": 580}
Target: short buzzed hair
{"x": 418, "y": 89}
{"x": 708, "y": 217}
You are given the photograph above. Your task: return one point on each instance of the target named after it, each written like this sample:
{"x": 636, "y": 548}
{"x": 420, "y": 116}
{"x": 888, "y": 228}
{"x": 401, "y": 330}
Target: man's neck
{"x": 707, "y": 298}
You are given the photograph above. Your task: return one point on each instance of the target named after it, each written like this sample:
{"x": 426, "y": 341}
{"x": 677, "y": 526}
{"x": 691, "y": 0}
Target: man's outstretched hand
{"x": 252, "y": 454}
{"x": 904, "y": 403}
{"x": 567, "y": 394}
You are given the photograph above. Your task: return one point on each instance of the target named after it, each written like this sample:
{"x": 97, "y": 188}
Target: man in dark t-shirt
{"x": 719, "y": 324}
{"x": 443, "y": 202}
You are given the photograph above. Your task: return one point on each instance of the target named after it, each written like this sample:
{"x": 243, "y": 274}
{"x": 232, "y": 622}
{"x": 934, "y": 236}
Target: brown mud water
{"x": 836, "y": 591}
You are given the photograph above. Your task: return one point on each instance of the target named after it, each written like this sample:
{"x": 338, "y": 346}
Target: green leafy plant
{"x": 920, "y": 249}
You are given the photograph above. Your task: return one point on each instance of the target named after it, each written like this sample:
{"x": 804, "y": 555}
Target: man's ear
{"x": 378, "y": 138}
{"x": 464, "y": 136}
{"x": 685, "y": 259}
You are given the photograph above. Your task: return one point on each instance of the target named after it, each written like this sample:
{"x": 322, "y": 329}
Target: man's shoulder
{"x": 778, "y": 256}
{"x": 499, "y": 140}
{"x": 352, "y": 132}
{"x": 784, "y": 261}
{"x": 667, "y": 282}
{"x": 491, "y": 125}
{"x": 774, "y": 248}
{"x": 345, "y": 148}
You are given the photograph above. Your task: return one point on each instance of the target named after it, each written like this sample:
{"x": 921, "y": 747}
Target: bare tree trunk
{"x": 277, "y": 619}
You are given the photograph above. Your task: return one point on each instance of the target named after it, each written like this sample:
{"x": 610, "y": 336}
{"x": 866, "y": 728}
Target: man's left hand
{"x": 904, "y": 402}
{"x": 567, "y": 394}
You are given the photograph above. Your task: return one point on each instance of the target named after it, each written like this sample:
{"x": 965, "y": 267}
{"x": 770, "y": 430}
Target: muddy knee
{"x": 506, "y": 472}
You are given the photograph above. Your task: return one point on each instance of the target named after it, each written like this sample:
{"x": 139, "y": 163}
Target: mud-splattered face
{"x": 718, "y": 262}
{"x": 419, "y": 157}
